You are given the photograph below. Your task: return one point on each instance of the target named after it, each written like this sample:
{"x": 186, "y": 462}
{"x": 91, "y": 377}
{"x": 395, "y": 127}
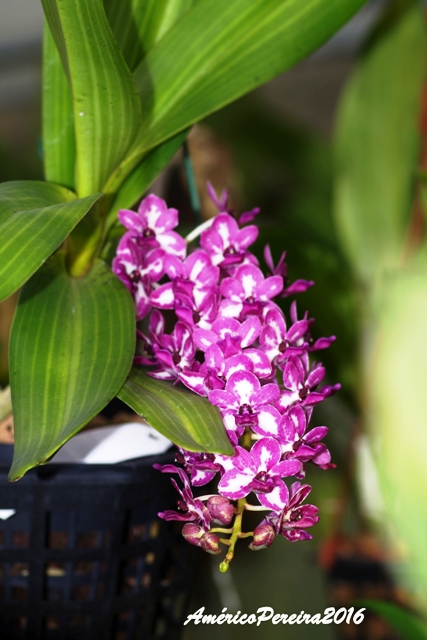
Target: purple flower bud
{"x": 210, "y": 543}
{"x": 263, "y": 537}
{"x": 221, "y": 509}
{"x": 192, "y": 533}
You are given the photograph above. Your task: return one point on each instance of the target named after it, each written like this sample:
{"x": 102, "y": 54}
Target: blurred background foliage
{"x": 334, "y": 153}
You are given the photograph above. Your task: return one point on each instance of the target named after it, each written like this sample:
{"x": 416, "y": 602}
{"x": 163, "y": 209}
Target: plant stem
{"x": 198, "y": 230}
{"x": 237, "y": 533}
{"x": 207, "y": 496}
{"x": 254, "y": 507}
{"x": 246, "y": 439}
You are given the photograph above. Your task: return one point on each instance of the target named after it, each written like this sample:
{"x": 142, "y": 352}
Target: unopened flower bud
{"x": 263, "y": 537}
{"x": 192, "y": 533}
{"x": 210, "y": 543}
{"x": 221, "y": 509}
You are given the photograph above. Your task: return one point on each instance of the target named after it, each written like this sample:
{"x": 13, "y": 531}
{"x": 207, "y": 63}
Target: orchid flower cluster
{"x": 232, "y": 344}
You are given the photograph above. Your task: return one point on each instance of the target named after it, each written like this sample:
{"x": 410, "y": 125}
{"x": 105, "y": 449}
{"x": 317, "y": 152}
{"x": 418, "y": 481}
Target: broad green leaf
{"x": 35, "y": 218}
{"x": 407, "y": 625}
{"x": 396, "y": 374}
{"x": 138, "y": 24}
{"x": 220, "y": 51}
{"x": 107, "y": 111}
{"x": 59, "y": 145}
{"x": 72, "y": 345}
{"x": 187, "y": 419}
{"x": 377, "y": 145}
{"x": 143, "y": 175}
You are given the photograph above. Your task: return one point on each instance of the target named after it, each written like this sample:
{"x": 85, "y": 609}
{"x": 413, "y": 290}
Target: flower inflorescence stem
{"x": 236, "y": 534}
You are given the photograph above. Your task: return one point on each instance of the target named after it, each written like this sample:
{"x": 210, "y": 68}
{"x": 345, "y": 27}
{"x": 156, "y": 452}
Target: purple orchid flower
{"x": 248, "y": 216}
{"x": 175, "y": 352}
{"x": 153, "y": 225}
{"x": 301, "y": 383}
{"x": 248, "y": 292}
{"x": 221, "y": 203}
{"x": 200, "y": 309}
{"x": 190, "y": 509}
{"x": 243, "y": 396}
{"x": 138, "y": 269}
{"x": 201, "y": 467}
{"x": 297, "y": 443}
{"x": 229, "y": 334}
{"x": 226, "y": 243}
{"x": 195, "y": 274}
{"x": 279, "y": 343}
{"x": 290, "y": 430}
{"x": 148, "y": 356}
{"x": 289, "y": 517}
{"x": 229, "y": 341}
{"x": 321, "y": 343}
{"x": 281, "y": 269}
{"x": 233, "y": 338}
{"x": 234, "y": 431}
{"x": 215, "y": 371}
{"x": 258, "y": 470}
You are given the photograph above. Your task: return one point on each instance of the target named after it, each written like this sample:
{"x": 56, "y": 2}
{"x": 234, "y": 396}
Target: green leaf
{"x": 35, "y": 218}
{"x": 394, "y": 387}
{"x": 377, "y": 145}
{"x": 107, "y": 111}
{"x": 184, "y": 417}
{"x": 143, "y": 175}
{"x": 59, "y": 144}
{"x": 220, "y": 51}
{"x": 72, "y": 345}
{"x": 407, "y": 625}
{"x": 137, "y": 25}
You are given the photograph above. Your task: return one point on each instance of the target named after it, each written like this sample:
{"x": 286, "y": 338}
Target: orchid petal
{"x": 266, "y": 453}
{"x": 234, "y": 484}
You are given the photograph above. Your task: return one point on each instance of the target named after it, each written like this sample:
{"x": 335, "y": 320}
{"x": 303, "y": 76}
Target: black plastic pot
{"x": 86, "y": 557}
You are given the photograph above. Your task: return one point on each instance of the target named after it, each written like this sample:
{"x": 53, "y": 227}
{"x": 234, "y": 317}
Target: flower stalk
{"x": 236, "y": 534}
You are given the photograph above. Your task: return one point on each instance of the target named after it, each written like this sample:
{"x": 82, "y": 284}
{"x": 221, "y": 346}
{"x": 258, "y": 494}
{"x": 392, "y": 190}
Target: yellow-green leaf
{"x": 137, "y": 25}
{"x": 72, "y": 345}
{"x": 184, "y": 417}
{"x": 377, "y": 145}
{"x": 143, "y": 175}
{"x": 220, "y": 50}
{"x": 106, "y": 107}
{"x": 59, "y": 144}
{"x": 35, "y": 218}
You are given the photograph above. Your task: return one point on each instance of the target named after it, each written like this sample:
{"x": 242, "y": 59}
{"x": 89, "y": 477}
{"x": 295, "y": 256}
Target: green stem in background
{"x": 5, "y": 403}
{"x": 192, "y": 187}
